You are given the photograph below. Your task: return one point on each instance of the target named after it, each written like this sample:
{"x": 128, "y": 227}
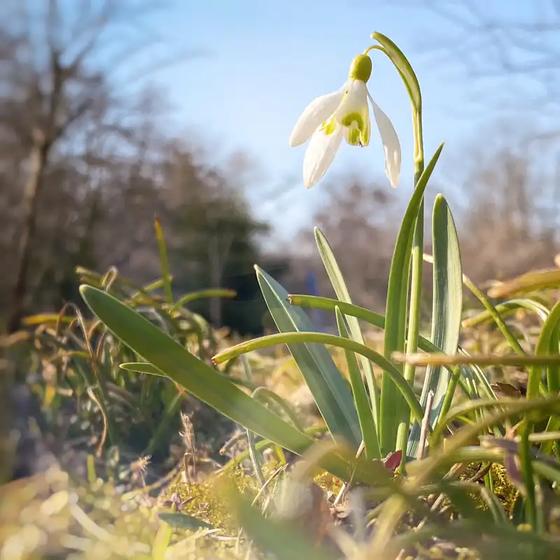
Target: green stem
{"x": 395, "y": 419}
{"x": 202, "y": 294}
{"x": 164, "y": 262}
{"x": 415, "y": 284}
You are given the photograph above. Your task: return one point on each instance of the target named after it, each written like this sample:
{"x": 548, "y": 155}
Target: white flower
{"x": 344, "y": 113}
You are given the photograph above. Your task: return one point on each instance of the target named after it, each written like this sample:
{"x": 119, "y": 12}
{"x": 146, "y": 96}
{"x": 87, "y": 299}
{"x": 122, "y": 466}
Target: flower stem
{"x": 415, "y": 283}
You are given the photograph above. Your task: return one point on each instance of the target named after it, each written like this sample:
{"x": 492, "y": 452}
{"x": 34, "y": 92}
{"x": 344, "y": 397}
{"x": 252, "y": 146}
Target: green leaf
{"x": 164, "y": 262}
{"x": 491, "y": 309}
{"x": 547, "y": 345}
{"x": 392, "y": 406}
{"x": 371, "y": 317}
{"x": 208, "y": 385}
{"x": 161, "y": 542}
{"x": 510, "y": 306}
{"x": 195, "y": 376}
{"x": 142, "y": 367}
{"x": 339, "y": 285}
{"x": 329, "y": 389}
{"x": 447, "y": 302}
{"x": 365, "y": 415}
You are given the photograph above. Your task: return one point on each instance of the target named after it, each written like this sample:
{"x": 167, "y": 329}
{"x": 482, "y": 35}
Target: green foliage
{"x": 397, "y": 310}
{"x": 330, "y": 391}
{"x": 447, "y": 301}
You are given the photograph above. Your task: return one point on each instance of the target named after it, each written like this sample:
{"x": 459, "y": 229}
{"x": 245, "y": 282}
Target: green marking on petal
{"x": 350, "y": 118}
{"x": 365, "y": 136}
{"x": 328, "y": 127}
{"x": 365, "y": 132}
{"x": 360, "y": 69}
{"x": 357, "y": 128}
{"x": 353, "y": 136}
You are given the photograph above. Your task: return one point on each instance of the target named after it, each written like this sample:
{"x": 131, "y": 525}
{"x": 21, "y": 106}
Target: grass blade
{"x": 547, "y": 344}
{"x": 510, "y": 306}
{"x": 371, "y": 317}
{"x": 528, "y": 282}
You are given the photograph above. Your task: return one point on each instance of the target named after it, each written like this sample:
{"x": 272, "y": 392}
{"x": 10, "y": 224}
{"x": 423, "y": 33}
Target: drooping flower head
{"x": 344, "y": 114}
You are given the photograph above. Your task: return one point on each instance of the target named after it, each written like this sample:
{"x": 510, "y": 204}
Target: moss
{"x": 202, "y": 499}
{"x": 503, "y": 488}
{"x": 328, "y": 482}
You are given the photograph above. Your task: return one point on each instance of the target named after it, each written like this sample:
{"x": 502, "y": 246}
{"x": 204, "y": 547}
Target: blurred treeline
{"x": 86, "y": 164}
{"x": 506, "y": 201}
{"x": 87, "y": 161}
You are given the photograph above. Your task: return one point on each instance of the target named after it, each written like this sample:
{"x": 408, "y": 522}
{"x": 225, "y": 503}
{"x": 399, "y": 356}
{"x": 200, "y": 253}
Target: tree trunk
{"x": 33, "y": 187}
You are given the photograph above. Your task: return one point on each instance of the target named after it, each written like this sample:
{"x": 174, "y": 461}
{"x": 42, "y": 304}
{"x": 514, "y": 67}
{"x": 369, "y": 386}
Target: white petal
{"x": 391, "y": 144}
{"x": 319, "y": 110}
{"x": 354, "y": 100}
{"x": 319, "y": 155}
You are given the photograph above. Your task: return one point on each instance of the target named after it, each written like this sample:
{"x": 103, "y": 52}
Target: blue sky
{"x": 261, "y": 61}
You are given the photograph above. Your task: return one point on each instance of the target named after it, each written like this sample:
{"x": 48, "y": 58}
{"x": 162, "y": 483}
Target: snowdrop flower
{"x": 344, "y": 113}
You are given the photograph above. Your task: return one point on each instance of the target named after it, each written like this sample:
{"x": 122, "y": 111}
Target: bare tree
{"x": 513, "y": 44}
{"x": 56, "y": 90}
{"x": 504, "y": 228}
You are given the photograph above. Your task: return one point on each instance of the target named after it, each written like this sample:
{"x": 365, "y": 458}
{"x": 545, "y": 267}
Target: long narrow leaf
{"x": 365, "y": 413}
{"x": 392, "y": 406}
{"x": 329, "y": 389}
{"x": 447, "y": 303}
{"x": 181, "y": 366}
{"x": 510, "y": 306}
{"x": 205, "y": 383}
{"x": 547, "y": 344}
{"x": 339, "y": 285}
